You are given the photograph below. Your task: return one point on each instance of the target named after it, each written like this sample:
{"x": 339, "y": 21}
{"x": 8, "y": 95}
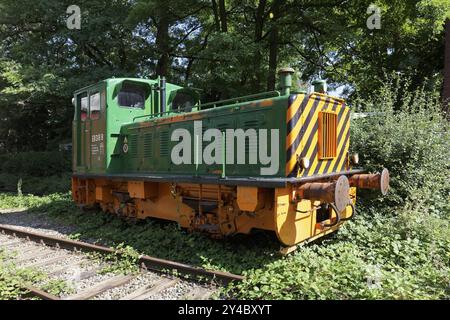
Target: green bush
{"x": 408, "y": 135}
{"x": 35, "y": 172}
{"x": 37, "y": 164}
{"x": 35, "y": 185}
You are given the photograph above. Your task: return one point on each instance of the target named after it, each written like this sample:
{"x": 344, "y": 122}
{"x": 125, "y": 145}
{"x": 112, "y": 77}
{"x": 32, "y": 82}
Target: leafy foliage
{"x": 37, "y": 164}
{"x": 407, "y": 134}
{"x": 227, "y": 48}
{"x": 123, "y": 260}
{"x": 367, "y": 260}
{"x": 25, "y": 170}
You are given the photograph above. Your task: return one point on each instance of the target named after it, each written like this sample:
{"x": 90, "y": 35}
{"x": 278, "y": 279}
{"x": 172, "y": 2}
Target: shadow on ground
{"x": 152, "y": 237}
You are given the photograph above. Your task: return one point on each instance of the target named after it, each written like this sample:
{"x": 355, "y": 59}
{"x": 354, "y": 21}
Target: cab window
{"x": 94, "y": 103}
{"x": 183, "y": 102}
{"x": 131, "y": 96}
{"x": 84, "y": 108}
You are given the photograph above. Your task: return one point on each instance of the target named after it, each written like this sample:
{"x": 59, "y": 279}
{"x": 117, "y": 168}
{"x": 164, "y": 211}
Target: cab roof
{"x": 118, "y": 80}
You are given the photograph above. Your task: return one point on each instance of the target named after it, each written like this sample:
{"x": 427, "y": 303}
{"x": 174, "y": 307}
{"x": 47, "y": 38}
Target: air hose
{"x": 353, "y": 212}
{"x": 338, "y": 216}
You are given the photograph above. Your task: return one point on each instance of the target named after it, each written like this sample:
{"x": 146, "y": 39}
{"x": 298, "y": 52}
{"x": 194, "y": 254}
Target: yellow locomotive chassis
{"x": 216, "y": 209}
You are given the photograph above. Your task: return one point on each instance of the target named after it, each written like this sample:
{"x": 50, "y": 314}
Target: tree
{"x": 226, "y": 47}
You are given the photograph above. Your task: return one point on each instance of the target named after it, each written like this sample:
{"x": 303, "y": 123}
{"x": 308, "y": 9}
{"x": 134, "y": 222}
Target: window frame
{"x": 80, "y": 97}
{"x": 99, "y": 110}
{"x": 184, "y": 109}
{"x": 138, "y": 86}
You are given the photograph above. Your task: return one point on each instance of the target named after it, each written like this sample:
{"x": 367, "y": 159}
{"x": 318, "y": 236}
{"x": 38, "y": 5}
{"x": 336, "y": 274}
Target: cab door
{"x": 86, "y": 133}
{"x": 81, "y": 131}
{"x": 96, "y": 130}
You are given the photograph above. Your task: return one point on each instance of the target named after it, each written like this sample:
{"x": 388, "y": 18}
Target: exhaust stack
{"x": 320, "y": 86}
{"x": 286, "y": 80}
{"x": 162, "y": 94}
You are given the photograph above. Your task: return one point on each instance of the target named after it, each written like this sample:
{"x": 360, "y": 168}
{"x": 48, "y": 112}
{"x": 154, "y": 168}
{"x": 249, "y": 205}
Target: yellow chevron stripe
{"x": 290, "y": 166}
{"x": 292, "y": 110}
{"x": 291, "y": 163}
{"x": 293, "y": 160}
{"x": 344, "y": 156}
{"x": 296, "y": 130}
{"x": 309, "y": 132}
{"x": 309, "y": 154}
{"x": 324, "y": 162}
{"x": 341, "y": 143}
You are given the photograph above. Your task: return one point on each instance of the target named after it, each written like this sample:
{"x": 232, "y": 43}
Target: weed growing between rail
{"x": 13, "y": 279}
{"x": 123, "y": 261}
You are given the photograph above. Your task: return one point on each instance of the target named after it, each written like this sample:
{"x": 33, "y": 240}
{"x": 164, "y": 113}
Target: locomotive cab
{"x": 102, "y": 109}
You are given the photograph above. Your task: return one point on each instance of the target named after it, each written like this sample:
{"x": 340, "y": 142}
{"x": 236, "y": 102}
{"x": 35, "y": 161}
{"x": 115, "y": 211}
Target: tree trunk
{"x": 223, "y": 16}
{"x": 187, "y": 73}
{"x": 259, "y": 21}
{"x": 273, "y": 47}
{"x": 216, "y": 14}
{"x": 259, "y": 27}
{"x": 162, "y": 44}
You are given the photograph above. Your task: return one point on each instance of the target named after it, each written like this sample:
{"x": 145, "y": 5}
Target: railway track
{"x": 69, "y": 260}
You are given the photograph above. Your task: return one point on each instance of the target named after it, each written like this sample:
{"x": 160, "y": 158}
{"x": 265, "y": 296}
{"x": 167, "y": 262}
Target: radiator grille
{"x": 148, "y": 145}
{"x": 133, "y": 142}
{"x": 327, "y": 135}
{"x": 164, "y": 144}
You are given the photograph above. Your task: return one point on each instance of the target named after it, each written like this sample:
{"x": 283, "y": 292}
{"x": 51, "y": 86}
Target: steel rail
{"x": 148, "y": 262}
{"x": 39, "y": 293}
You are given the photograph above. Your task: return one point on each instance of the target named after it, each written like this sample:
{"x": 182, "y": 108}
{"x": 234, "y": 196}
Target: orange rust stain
{"x": 266, "y": 103}
{"x": 194, "y": 116}
{"x": 172, "y": 119}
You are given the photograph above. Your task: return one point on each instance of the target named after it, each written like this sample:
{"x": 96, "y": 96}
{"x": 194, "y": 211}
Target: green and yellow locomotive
{"x": 275, "y": 161}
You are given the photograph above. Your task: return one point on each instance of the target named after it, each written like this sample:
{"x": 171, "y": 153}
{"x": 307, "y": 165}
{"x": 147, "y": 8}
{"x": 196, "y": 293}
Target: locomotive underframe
{"x": 216, "y": 209}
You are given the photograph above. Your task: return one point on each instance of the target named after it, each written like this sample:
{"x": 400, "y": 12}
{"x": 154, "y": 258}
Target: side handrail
{"x": 263, "y": 95}
{"x": 155, "y": 115}
{"x": 269, "y": 94}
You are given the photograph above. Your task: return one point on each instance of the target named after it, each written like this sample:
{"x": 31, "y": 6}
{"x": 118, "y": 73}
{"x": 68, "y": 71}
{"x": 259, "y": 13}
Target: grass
{"x": 380, "y": 255}
{"x": 13, "y": 279}
{"x": 156, "y": 238}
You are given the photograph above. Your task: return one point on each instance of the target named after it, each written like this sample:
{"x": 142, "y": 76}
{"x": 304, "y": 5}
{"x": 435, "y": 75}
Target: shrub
{"x": 35, "y": 185}
{"x": 408, "y": 135}
{"x": 37, "y": 164}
